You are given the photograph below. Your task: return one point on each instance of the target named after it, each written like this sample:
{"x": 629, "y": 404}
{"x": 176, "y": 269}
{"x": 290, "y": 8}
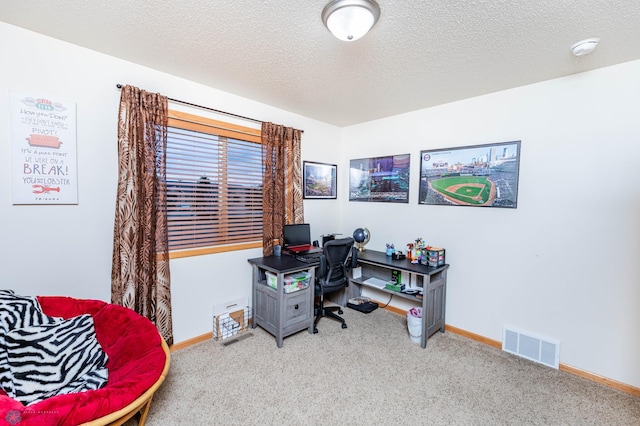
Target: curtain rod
{"x": 120, "y": 86}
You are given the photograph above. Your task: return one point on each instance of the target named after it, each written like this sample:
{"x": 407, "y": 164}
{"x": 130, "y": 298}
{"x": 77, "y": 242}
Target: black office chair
{"x": 332, "y": 275}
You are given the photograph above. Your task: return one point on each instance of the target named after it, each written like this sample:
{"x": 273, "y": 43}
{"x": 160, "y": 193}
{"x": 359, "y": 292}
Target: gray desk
{"x": 283, "y": 314}
{"x": 280, "y": 313}
{"x": 432, "y": 280}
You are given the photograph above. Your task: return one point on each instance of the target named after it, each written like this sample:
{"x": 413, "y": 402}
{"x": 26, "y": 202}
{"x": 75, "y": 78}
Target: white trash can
{"x": 414, "y": 324}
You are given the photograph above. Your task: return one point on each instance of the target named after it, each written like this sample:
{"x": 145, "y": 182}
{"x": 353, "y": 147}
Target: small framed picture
{"x": 320, "y": 180}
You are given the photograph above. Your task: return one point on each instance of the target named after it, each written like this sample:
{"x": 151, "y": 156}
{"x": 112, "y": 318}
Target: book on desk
{"x": 376, "y": 282}
{"x": 390, "y": 285}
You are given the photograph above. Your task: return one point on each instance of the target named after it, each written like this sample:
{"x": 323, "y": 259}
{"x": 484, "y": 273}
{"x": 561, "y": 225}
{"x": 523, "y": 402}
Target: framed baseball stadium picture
{"x": 320, "y": 180}
{"x": 479, "y": 175}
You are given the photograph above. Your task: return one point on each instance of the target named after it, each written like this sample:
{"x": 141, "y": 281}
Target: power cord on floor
{"x": 387, "y": 304}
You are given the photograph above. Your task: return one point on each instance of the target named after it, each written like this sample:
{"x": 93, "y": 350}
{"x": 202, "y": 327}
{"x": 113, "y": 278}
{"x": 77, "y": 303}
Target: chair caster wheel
{"x": 340, "y": 311}
{"x": 315, "y": 330}
{"x": 344, "y": 325}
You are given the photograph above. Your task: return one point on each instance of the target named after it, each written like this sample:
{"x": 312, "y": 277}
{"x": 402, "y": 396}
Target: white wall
{"x": 561, "y": 265}
{"x": 66, "y": 250}
{"x": 564, "y": 263}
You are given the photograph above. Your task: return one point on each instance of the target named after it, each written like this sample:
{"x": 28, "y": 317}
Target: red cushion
{"x": 136, "y": 361}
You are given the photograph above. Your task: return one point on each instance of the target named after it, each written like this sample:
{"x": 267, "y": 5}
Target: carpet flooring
{"x": 373, "y": 374}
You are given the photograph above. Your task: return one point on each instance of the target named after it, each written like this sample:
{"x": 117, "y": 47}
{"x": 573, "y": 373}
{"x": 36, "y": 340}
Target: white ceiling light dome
{"x": 350, "y": 20}
{"x": 584, "y": 47}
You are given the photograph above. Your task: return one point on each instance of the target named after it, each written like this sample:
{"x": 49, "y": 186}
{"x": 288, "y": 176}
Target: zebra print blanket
{"x": 42, "y": 356}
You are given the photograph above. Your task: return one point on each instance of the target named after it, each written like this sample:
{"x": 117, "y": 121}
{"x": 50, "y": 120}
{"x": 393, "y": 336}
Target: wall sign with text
{"x": 43, "y": 141}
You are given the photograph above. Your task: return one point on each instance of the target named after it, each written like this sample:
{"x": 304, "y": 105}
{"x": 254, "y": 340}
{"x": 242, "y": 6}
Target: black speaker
{"x": 327, "y": 238}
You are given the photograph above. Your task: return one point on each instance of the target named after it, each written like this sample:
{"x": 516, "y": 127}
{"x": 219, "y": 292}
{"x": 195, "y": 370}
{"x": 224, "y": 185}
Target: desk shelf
{"x": 432, "y": 280}
{"x": 361, "y": 282}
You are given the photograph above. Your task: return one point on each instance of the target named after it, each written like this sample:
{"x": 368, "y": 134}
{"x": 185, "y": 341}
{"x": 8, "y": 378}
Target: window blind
{"x": 214, "y": 183}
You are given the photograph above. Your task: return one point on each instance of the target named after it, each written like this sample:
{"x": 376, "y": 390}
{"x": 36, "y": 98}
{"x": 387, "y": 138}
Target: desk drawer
{"x": 297, "y": 308}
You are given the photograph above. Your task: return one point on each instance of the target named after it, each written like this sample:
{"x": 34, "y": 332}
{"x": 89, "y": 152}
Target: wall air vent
{"x": 527, "y": 345}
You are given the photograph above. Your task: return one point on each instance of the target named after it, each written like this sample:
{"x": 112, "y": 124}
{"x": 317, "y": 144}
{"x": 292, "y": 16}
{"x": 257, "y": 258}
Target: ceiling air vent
{"x": 535, "y": 348}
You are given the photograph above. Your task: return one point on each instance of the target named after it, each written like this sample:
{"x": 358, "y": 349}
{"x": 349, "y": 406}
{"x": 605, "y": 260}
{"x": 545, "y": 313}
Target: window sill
{"x": 212, "y": 250}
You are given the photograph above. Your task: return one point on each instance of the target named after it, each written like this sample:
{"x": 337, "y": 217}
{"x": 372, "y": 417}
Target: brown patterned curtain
{"x": 282, "y": 190}
{"x": 140, "y": 277}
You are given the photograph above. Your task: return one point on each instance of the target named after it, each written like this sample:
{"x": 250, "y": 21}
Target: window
{"x": 214, "y": 185}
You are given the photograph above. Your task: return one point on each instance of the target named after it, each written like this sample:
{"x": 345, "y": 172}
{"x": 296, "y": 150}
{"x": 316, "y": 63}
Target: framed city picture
{"x": 383, "y": 179}
{"x": 320, "y": 180}
{"x": 479, "y": 175}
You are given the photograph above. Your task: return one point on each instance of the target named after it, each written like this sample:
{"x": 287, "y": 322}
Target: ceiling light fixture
{"x": 349, "y": 20}
{"x": 584, "y": 47}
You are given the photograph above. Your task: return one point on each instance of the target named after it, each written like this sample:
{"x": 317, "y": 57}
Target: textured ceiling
{"x": 420, "y": 54}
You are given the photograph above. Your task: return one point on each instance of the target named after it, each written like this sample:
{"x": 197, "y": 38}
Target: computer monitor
{"x": 297, "y": 235}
